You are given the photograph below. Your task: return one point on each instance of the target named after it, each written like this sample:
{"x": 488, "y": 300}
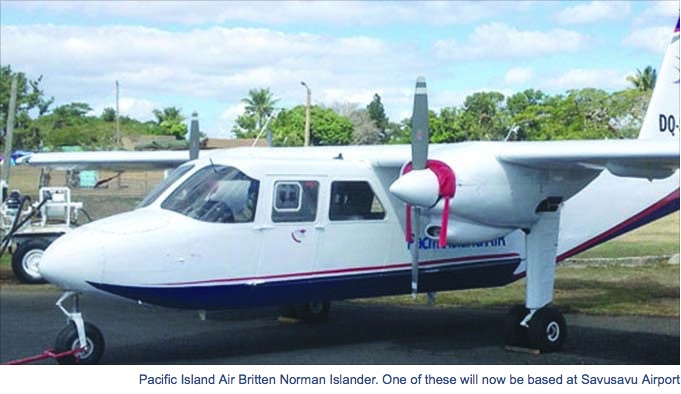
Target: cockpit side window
{"x": 217, "y": 194}
{"x": 164, "y": 184}
{"x": 295, "y": 201}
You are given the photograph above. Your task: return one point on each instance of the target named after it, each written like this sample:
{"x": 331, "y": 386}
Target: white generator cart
{"x": 29, "y": 231}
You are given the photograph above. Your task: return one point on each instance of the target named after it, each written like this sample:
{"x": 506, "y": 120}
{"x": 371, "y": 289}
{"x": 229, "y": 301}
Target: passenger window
{"x": 354, "y": 200}
{"x": 295, "y": 201}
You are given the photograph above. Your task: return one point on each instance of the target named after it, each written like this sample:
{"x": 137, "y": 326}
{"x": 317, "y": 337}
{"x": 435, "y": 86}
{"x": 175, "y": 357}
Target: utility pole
{"x": 118, "y": 120}
{"x": 10, "y": 131}
{"x": 307, "y": 114}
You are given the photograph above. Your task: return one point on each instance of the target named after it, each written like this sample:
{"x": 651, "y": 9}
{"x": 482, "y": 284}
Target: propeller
{"x": 419, "y": 158}
{"x": 423, "y": 182}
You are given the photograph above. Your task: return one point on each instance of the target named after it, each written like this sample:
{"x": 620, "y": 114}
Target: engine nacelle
{"x": 492, "y": 198}
{"x": 490, "y": 194}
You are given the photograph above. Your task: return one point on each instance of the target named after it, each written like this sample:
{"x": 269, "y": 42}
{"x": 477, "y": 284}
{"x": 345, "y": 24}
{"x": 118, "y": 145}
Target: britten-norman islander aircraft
{"x": 304, "y": 226}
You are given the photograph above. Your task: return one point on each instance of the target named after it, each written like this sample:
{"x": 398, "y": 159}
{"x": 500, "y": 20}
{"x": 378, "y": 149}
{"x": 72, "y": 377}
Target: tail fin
{"x": 662, "y": 117}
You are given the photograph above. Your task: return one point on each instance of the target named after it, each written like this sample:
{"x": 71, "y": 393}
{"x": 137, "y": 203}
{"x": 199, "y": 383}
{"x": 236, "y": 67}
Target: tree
{"x": 484, "y": 117}
{"x": 326, "y": 127}
{"x": 29, "y": 97}
{"x": 108, "y": 114}
{"x": 260, "y": 104}
{"x": 244, "y": 126}
{"x": 365, "y": 131}
{"x": 377, "y": 114}
{"x": 644, "y": 80}
{"x": 75, "y": 110}
{"x": 172, "y": 121}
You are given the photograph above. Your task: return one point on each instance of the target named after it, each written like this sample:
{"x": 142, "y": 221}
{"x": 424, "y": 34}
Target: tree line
{"x": 37, "y": 126}
{"x": 528, "y": 115}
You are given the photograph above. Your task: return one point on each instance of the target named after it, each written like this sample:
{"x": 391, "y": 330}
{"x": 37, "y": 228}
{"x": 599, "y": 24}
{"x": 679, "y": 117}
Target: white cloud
{"x": 588, "y": 78}
{"x": 593, "y": 12}
{"x": 279, "y": 12}
{"x": 213, "y": 62}
{"x": 652, "y": 39}
{"x": 499, "y": 41}
{"x": 661, "y": 9}
{"x": 226, "y": 120}
{"x": 518, "y": 75}
{"x": 135, "y": 108}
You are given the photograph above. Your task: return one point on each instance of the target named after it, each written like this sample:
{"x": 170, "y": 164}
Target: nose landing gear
{"x": 78, "y": 335}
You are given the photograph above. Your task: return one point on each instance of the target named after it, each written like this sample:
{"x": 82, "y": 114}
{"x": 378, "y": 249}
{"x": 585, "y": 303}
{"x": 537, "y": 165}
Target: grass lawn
{"x": 658, "y": 238}
{"x": 646, "y": 290}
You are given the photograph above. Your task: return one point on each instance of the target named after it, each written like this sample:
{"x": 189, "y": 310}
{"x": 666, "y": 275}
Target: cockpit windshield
{"x": 164, "y": 184}
{"x": 217, "y": 194}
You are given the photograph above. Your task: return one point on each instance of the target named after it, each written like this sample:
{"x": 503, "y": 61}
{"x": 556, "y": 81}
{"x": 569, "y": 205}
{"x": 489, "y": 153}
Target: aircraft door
{"x": 290, "y": 232}
{"x": 357, "y": 236}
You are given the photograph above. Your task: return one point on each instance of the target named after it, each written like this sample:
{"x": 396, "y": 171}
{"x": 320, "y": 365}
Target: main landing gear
{"x": 310, "y": 312}
{"x": 543, "y": 329}
{"x": 78, "y": 335}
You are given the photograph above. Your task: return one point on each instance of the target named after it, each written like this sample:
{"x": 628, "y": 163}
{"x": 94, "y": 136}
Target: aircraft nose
{"x": 73, "y": 259}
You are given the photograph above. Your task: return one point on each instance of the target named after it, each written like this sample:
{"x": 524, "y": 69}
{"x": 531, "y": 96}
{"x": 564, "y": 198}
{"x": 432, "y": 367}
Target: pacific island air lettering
{"x": 426, "y": 243}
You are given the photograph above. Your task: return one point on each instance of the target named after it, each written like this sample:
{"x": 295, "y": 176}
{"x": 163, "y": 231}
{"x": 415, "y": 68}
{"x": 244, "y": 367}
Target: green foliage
{"x": 260, "y": 105}
{"x": 377, "y": 114}
{"x": 172, "y": 122}
{"x": 108, "y": 114}
{"x": 644, "y": 80}
{"x": 245, "y": 126}
{"x": 326, "y": 127}
{"x": 29, "y": 97}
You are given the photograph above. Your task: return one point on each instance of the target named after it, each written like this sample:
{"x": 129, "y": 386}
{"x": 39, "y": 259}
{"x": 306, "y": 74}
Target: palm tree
{"x": 644, "y": 80}
{"x": 259, "y": 103}
{"x": 168, "y": 114}
{"x": 171, "y": 119}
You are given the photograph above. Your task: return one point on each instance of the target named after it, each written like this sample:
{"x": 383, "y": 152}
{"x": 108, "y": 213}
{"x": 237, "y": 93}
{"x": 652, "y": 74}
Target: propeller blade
{"x": 419, "y": 126}
{"x": 415, "y": 253}
{"x": 194, "y": 137}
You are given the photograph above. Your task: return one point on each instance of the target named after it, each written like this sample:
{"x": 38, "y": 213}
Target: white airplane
{"x": 305, "y": 226}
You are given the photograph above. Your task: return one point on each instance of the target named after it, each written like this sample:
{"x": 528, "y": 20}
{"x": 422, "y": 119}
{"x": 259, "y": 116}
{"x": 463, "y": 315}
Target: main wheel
{"x": 514, "y": 333}
{"x": 310, "y": 312}
{"x": 68, "y": 340}
{"x": 547, "y": 330}
{"x": 26, "y": 260}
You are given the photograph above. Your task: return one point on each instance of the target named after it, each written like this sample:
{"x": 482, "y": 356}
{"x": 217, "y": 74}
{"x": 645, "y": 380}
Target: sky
{"x": 206, "y": 56}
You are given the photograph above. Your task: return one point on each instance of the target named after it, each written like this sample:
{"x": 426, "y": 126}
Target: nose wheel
{"x": 78, "y": 335}
{"x": 68, "y": 339}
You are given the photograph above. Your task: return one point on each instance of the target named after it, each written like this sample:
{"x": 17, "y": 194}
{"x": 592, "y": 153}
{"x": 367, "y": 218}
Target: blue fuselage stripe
{"x": 226, "y": 296}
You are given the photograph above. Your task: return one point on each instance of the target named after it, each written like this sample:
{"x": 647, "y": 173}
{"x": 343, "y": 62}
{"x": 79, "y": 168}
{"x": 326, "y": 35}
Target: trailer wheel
{"x": 26, "y": 260}
{"x": 68, "y": 340}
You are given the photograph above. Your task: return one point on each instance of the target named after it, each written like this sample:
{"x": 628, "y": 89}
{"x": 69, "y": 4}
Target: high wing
{"x": 120, "y": 160}
{"x": 652, "y": 159}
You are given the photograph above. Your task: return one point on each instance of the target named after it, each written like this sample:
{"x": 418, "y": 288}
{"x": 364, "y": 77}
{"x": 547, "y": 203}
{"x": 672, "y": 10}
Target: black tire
{"x": 26, "y": 260}
{"x": 547, "y": 330}
{"x": 312, "y": 312}
{"x": 514, "y": 333}
{"x": 68, "y": 340}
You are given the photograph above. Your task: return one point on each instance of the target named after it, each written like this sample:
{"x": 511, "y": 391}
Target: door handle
{"x": 263, "y": 227}
{"x": 319, "y": 227}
